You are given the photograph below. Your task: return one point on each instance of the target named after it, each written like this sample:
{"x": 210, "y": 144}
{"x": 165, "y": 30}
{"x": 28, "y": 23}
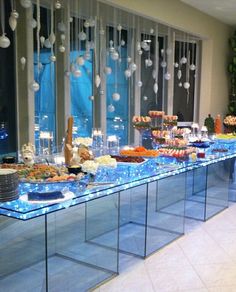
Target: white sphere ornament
{"x": 42, "y": 40}
{"x": 122, "y": 43}
{"x": 91, "y": 97}
{"x": 148, "y": 62}
{"x": 53, "y": 58}
{"x": 47, "y": 44}
{"x": 62, "y": 49}
{"x": 97, "y": 80}
{"x": 107, "y": 70}
{"x": 80, "y": 61}
{"x": 140, "y": 52}
{"x": 23, "y": 62}
{"x": 139, "y": 83}
{"x": 111, "y": 108}
{"x": 12, "y": 23}
{"x": 15, "y": 14}
{"x": 129, "y": 59}
{"x": 58, "y": 5}
{"x": 167, "y": 76}
{"x": 34, "y": 86}
{"x": 192, "y": 67}
{"x": 86, "y": 24}
{"x": 33, "y": 23}
{"x": 61, "y": 26}
{"x": 147, "y": 48}
{"x": 180, "y": 84}
{"x": 76, "y": 73}
{"x": 183, "y": 60}
{"x": 119, "y": 27}
{"x": 132, "y": 67}
{"x": 4, "y": 42}
{"x": 186, "y": 85}
{"x": 63, "y": 37}
{"x": 71, "y": 19}
{"x": 151, "y": 30}
{"x": 82, "y": 36}
{"x": 145, "y": 98}
{"x": 163, "y": 64}
{"x": 179, "y": 74}
{"x": 128, "y": 73}
{"x": 116, "y": 96}
{"x": 176, "y": 65}
{"x": 155, "y": 88}
{"x": 26, "y": 3}
{"x": 52, "y": 38}
{"x": 92, "y": 22}
{"x": 115, "y": 56}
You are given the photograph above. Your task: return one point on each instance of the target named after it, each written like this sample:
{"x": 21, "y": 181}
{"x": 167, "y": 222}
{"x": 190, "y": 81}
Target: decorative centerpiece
{"x": 159, "y": 137}
{"x": 142, "y": 124}
{"x": 170, "y": 121}
{"x": 157, "y": 119}
{"x": 230, "y": 123}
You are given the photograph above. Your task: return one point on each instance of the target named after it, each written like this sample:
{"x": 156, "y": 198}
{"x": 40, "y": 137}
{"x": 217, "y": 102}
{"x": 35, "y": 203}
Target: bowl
{"x": 75, "y": 169}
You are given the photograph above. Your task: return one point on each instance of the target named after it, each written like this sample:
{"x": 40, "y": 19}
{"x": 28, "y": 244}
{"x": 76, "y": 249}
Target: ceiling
{"x": 224, "y": 11}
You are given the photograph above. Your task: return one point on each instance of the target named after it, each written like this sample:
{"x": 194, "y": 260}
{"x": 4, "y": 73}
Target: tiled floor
{"x": 204, "y": 259}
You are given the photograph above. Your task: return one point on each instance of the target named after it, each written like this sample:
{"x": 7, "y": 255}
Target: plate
{"x": 67, "y": 196}
{"x": 7, "y": 171}
{"x": 131, "y": 163}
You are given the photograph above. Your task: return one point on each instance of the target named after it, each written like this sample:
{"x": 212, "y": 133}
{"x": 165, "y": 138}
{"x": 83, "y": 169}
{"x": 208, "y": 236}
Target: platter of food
{"x": 139, "y": 151}
{"x": 129, "y": 160}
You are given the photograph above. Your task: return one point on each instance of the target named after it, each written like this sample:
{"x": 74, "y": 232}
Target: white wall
{"x": 214, "y": 89}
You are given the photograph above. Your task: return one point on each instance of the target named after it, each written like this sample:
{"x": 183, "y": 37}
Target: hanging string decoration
{"x": 4, "y": 40}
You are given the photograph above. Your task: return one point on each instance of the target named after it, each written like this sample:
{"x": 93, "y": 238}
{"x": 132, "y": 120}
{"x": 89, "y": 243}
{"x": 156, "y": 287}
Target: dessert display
{"x": 177, "y": 152}
{"x": 170, "y": 120}
{"x": 139, "y": 151}
{"x": 160, "y": 136}
{"x": 155, "y": 114}
{"x": 230, "y": 123}
{"x": 128, "y": 159}
{"x": 141, "y": 122}
{"x": 176, "y": 142}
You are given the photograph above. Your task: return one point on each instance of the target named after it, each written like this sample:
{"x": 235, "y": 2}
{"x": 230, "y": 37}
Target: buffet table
{"x": 74, "y": 245}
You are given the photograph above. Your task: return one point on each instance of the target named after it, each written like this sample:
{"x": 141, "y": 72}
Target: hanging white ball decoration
{"x": 119, "y": 27}
{"x": 111, "y": 108}
{"x": 4, "y": 42}
{"x": 179, "y": 74}
{"x": 162, "y": 52}
{"x": 176, "y": 65}
{"x": 91, "y": 97}
{"x": 128, "y": 73}
{"x": 63, "y": 37}
{"x": 33, "y": 23}
{"x": 144, "y": 45}
{"x": 151, "y": 30}
{"x": 132, "y": 67}
{"x": 61, "y": 26}
{"x": 115, "y": 56}
{"x": 47, "y": 44}
{"x": 140, "y": 52}
{"x": 26, "y": 3}
{"x": 92, "y": 22}
{"x": 129, "y": 59}
{"x": 139, "y": 83}
{"x": 82, "y": 36}
{"x": 122, "y": 43}
{"x": 147, "y": 48}
{"x": 62, "y": 49}
{"x": 167, "y": 76}
{"x": 71, "y": 19}
{"x": 107, "y": 70}
{"x": 52, "y": 38}
{"x": 58, "y": 5}
{"x": 116, "y": 96}
{"x": 183, "y": 60}
{"x": 186, "y": 85}
{"x": 111, "y": 50}
{"x": 23, "y": 62}
{"x": 80, "y": 61}
{"x": 42, "y": 40}
{"x": 86, "y": 24}
{"x": 148, "y": 62}
{"x": 145, "y": 98}
{"x": 163, "y": 64}
{"x": 155, "y": 88}
{"x": 180, "y": 84}
{"x": 138, "y": 46}
{"x": 97, "y": 80}
{"x": 34, "y": 86}
{"x": 15, "y": 14}
{"x": 192, "y": 67}
{"x": 12, "y": 23}
{"x": 53, "y": 58}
